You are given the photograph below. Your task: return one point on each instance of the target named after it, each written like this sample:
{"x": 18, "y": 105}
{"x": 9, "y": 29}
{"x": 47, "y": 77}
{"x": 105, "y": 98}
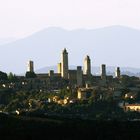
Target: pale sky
{"x": 20, "y": 18}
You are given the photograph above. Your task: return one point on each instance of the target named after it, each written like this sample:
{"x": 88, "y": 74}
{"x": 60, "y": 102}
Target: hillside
{"x": 65, "y": 129}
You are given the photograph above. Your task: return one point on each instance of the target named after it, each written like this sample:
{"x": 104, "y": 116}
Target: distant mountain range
{"x": 96, "y": 70}
{"x": 114, "y": 46}
{"x": 4, "y": 41}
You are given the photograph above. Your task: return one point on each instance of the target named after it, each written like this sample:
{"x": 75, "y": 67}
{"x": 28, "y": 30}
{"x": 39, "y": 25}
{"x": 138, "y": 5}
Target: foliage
{"x": 128, "y": 81}
{"x": 3, "y": 76}
{"x": 12, "y": 77}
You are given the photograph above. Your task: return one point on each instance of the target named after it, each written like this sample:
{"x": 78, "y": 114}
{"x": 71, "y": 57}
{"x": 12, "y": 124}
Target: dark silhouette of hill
{"x": 22, "y": 128}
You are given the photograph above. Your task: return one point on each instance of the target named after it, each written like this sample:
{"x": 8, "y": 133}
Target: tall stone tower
{"x": 64, "y": 64}
{"x": 59, "y": 68}
{"x": 79, "y": 76}
{"x": 87, "y": 66}
{"x": 30, "y": 66}
{"x": 103, "y": 72}
{"x": 118, "y": 72}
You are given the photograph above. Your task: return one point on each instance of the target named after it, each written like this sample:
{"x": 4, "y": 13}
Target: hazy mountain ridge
{"x": 4, "y": 41}
{"x": 115, "y": 45}
{"x": 96, "y": 70}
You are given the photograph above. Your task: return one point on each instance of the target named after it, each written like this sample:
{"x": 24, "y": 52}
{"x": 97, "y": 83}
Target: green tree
{"x": 3, "y": 76}
{"x": 12, "y": 77}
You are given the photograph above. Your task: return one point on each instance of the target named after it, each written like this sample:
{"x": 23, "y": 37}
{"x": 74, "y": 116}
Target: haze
{"x": 20, "y": 18}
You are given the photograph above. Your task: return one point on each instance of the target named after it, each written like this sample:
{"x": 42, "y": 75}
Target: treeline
{"x": 13, "y": 78}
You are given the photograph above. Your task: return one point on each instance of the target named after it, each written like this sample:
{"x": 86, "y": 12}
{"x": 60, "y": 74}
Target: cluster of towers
{"x": 78, "y": 74}
{"x": 63, "y": 67}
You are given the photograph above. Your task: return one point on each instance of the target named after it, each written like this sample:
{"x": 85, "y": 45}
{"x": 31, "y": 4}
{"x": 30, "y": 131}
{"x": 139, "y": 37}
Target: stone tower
{"x": 30, "y": 66}
{"x": 79, "y": 76}
{"x": 118, "y": 72}
{"x": 87, "y": 66}
{"x": 64, "y": 64}
{"x": 59, "y": 68}
{"x": 103, "y": 72}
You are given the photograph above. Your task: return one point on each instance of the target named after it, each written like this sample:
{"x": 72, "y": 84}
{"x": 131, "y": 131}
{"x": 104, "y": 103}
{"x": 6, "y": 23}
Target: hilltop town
{"x": 70, "y": 92}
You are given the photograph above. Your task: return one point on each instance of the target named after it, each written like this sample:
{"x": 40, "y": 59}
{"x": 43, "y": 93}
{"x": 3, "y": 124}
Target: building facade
{"x": 132, "y": 107}
{"x": 59, "y": 68}
{"x": 118, "y": 73}
{"x": 64, "y": 64}
{"x": 30, "y": 66}
{"x": 84, "y": 93}
{"x": 87, "y": 66}
{"x": 79, "y": 76}
{"x": 103, "y": 72}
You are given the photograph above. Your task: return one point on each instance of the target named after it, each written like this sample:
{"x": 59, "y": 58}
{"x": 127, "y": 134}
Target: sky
{"x": 20, "y": 18}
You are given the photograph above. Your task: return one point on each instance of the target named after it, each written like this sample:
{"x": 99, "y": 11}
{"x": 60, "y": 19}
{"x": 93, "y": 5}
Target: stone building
{"x": 72, "y": 77}
{"x": 132, "y": 107}
{"x": 75, "y": 77}
{"x": 59, "y": 68}
{"x": 30, "y": 66}
{"x": 51, "y": 73}
{"x": 103, "y": 72}
{"x": 118, "y": 73}
{"x": 85, "y": 93}
{"x": 79, "y": 76}
{"x": 87, "y": 66}
{"x": 64, "y": 64}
